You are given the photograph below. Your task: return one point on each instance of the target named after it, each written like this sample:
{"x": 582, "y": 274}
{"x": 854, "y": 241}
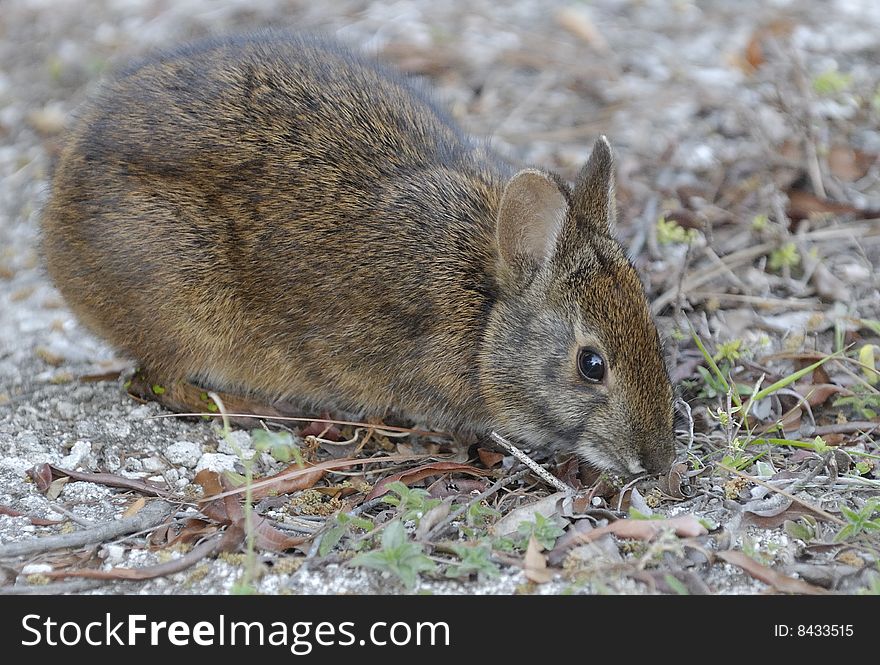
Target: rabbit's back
{"x": 279, "y": 216}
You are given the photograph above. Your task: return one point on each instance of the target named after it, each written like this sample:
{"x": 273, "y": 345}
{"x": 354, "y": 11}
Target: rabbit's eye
{"x": 591, "y": 365}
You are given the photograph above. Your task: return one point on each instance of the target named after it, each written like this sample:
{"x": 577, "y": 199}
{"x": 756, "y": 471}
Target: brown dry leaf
{"x": 753, "y": 56}
{"x": 672, "y": 482}
{"x": 135, "y": 507}
{"x": 293, "y": 478}
{"x": 426, "y": 61}
{"x": 322, "y": 430}
{"x": 228, "y": 510}
{"x": 793, "y": 512}
{"x": 569, "y": 473}
{"x": 818, "y": 393}
{"x": 684, "y": 526}
{"x": 41, "y": 474}
{"x": 414, "y": 475}
{"x": 489, "y": 458}
{"x": 802, "y": 205}
{"x": 104, "y": 371}
{"x": 765, "y": 574}
{"x": 274, "y": 539}
{"x": 571, "y": 538}
{"x": 535, "y": 564}
{"x": 108, "y": 479}
{"x": 55, "y": 488}
{"x": 849, "y": 164}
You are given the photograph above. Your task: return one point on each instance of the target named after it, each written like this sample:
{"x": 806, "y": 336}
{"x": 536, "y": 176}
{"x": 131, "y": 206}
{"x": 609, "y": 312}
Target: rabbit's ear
{"x": 532, "y": 212}
{"x": 593, "y": 202}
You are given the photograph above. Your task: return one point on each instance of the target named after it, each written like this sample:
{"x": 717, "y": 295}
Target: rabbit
{"x": 273, "y": 215}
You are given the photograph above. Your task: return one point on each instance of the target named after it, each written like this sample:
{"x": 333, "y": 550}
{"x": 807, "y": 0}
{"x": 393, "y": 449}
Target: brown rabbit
{"x": 275, "y": 216}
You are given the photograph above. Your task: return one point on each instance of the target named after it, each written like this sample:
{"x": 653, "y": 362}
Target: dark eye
{"x": 591, "y": 365}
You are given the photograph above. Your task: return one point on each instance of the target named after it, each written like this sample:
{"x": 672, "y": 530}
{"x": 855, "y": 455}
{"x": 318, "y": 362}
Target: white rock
{"x": 36, "y": 568}
{"x": 217, "y": 462}
{"x": 237, "y": 440}
{"x": 79, "y": 451}
{"x": 154, "y": 464}
{"x": 115, "y": 553}
{"x": 184, "y": 453}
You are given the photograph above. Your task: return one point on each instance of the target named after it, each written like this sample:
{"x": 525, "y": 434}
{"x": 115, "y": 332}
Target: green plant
{"x": 280, "y": 445}
{"x": 669, "y": 232}
{"x": 343, "y": 524}
{"x": 859, "y": 521}
{"x": 544, "y": 529}
{"x": 786, "y": 256}
{"x": 474, "y": 560}
{"x": 245, "y": 585}
{"x": 831, "y": 82}
{"x": 865, "y": 404}
{"x": 398, "y": 555}
{"x": 411, "y": 502}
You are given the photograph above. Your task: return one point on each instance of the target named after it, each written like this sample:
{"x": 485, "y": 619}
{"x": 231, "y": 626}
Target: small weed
{"x": 343, "y": 524}
{"x": 280, "y": 445}
{"x": 474, "y": 560}
{"x": 831, "y": 82}
{"x": 859, "y": 521}
{"x": 865, "y": 404}
{"x": 804, "y": 529}
{"x": 398, "y": 555}
{"x": 670, "y": 232}
{"x": 729, "y": 352}
{"x": 412, "y": 503}
{"x": 544, "y": 529}
{"x": 786, "y": 256}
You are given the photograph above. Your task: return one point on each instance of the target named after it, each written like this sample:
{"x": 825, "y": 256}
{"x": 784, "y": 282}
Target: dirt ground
{"x": 749, "y": 189}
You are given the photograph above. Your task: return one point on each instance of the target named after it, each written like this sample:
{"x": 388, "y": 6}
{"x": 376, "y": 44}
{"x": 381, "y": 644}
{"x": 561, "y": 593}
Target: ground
{"x": 747, "y": 143}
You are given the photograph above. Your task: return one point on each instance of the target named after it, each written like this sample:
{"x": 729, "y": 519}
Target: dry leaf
{"x": 489, "y": 458}
{"x": 135, "y": 507}
{"x": 849, "y": 164}
{"x": 419, "y": 473}
{"x": 535, "y": 564}
{"x": 684, "y": 526}
{"x": 761, "y": 572}
{"x": 547, "y": 507}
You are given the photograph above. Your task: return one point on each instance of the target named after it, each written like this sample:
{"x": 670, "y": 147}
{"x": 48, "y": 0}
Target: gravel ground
{"x": 668, "y": 82}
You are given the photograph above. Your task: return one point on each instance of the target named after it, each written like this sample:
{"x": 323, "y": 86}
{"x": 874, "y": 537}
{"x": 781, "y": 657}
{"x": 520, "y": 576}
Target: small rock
{"x": 36, "y": 568}
{"x": 140, "y": 412}
{"x": 115, "y": 553}
{"x": 153, "y": 464}
{"x": 79, "y": 451}
{"x": 236, "y": 439}
{"x": 184, "y": 453}
{"x": 217, "y": 462}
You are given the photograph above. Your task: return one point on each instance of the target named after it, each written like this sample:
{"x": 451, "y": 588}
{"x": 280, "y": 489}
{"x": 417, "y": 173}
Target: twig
{"x": 152, "y": 515}
{"x": 540, "y": 471}
{"x": 752, "y": 479}
{"x": 196, "y": 554}
{"x": 708, "y": 274}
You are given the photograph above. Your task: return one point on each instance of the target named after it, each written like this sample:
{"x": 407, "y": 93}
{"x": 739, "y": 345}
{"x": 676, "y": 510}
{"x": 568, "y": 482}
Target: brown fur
{"x": 274, "y": 216}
